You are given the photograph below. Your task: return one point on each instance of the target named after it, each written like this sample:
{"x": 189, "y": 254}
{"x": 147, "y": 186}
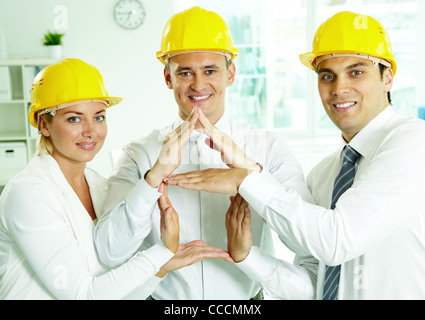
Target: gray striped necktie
{"x": 343, "y": 181}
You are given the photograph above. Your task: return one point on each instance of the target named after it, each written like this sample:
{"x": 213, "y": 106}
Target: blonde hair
{"x": 44, "y": 144}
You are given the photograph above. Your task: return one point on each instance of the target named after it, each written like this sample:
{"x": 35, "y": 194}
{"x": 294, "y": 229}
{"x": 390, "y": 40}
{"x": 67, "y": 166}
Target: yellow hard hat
{"x": 352, "y": 33}
{"x": 196, "y": 29}
{"x": 65, "y": 82}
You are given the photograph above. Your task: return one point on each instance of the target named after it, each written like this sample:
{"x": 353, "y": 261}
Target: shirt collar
{"x": 364, "y": 142}
{"x": 94, "y": 180}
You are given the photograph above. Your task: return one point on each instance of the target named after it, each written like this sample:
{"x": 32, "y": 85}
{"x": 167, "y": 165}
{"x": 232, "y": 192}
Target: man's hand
{"x": 231, "y": 154}
{"x": 191, "y": 253}
{"x": 238, "y": 225}
{"x": 171, "y": 152}
{"x": 211, "y": 180}
{"x": 169, "y": 223}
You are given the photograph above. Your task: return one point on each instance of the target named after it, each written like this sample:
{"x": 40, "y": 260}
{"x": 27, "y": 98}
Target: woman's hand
{"x": 169, "y": 223}
{"x": 190, "y": 253}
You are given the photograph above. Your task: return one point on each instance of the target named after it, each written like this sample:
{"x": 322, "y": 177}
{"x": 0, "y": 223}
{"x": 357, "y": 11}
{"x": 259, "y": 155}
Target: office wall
{"x": 125, "y": 58}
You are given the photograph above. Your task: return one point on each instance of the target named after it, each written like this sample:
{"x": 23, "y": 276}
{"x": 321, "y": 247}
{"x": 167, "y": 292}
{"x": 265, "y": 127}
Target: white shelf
{"x": 14, "y": 124}
{"x": 12, "y": 101}
{"x": 11, "y": 136}
{"x": 27, "y": 62}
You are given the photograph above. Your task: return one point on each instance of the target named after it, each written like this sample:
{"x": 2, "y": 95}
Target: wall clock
{"x": 129, "y": 14}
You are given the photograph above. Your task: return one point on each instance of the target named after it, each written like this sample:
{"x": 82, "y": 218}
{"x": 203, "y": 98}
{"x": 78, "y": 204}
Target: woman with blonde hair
{"x": 49, "y": 210}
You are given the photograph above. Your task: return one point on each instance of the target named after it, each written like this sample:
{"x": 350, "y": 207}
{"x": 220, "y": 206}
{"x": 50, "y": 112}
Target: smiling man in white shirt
{"x": 370, "y": 244}
{"x": 197, "y": 51}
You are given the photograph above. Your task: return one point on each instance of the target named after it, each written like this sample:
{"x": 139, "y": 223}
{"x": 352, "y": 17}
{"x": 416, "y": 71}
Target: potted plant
{"x": 53, "y": 41}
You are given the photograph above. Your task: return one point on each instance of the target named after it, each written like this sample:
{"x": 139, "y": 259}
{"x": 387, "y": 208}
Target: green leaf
{"x": 52, "y": 38}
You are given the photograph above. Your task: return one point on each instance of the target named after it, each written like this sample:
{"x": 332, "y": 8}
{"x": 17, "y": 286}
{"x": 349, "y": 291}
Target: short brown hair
{"x": 382, "y": 69}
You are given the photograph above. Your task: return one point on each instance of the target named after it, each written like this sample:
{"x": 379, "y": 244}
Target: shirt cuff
{"x": 158, "y": 255}
{"x": 257, "y": 265}
{"x": 142, "y": 196}
{"x": 257, "y": 188}
{"x": 145, "y": 290}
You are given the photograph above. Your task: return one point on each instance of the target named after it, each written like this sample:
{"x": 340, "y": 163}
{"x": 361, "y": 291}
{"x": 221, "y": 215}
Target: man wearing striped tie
{"x": 365, "y": 237}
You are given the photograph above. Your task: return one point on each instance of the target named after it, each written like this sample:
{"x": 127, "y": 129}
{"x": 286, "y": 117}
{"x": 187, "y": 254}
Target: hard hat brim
{"x": 307, "y": 59}
{"x": 163, "y": 56}
{"x": 112, "y": 101}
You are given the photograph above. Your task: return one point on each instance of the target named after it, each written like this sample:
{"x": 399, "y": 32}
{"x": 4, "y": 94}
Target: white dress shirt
{"x": 132, "y": 216}
{"x": 376, "y": 232}
{"x": 46, "y": 242}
